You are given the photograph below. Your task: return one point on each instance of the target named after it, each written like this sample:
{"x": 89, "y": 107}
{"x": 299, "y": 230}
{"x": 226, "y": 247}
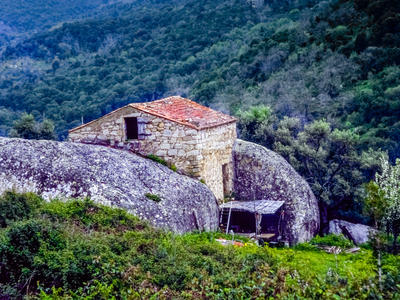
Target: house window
{"x": 131, "y": 128}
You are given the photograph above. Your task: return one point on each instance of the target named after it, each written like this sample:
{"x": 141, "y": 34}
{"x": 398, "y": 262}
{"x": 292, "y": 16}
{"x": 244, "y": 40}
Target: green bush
{"x": 173, "y": 167}
{"x": 87, "y": 213}
{"x": 332, "y": 240}
{"x": 306, "y": 247}
{"x": 24, "y": 242}
{"x": 78, "y": 249}
{"x": 153, "y": 197}
{"x": 162, "y": 161}
{"x": 15, "y": 206}
{"x": 157, "y": 159}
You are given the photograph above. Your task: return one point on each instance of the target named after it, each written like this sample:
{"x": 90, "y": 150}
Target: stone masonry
{"x": 198, "y": 147}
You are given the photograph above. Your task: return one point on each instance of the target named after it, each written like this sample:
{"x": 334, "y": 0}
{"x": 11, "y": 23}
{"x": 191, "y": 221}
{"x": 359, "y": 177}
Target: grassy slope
{"x": 83, "y": 249}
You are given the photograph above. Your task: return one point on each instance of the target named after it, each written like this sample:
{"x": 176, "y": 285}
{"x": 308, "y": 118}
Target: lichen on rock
{"x": 358, "y": 233}
{"x": 109, "y": 176}
{"x": 261, "y": 174}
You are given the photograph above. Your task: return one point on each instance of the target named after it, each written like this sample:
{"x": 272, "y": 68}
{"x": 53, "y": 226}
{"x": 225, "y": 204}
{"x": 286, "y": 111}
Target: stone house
{"x": 195, "y": 138}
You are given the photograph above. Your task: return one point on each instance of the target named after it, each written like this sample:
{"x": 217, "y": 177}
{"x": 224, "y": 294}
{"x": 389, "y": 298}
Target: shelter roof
{"x": 264, "y": 207}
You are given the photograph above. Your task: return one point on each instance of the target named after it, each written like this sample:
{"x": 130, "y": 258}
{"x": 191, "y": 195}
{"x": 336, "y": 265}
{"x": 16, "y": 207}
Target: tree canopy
{"x": 27, "y": 127}
{"x": 329, "y": 158}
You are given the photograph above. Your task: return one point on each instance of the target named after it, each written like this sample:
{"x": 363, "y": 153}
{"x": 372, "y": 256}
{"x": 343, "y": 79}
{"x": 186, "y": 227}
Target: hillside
{"x": 336, "y": 60}
{"x": 79, "y": 249}
{"x": 35, "y": 15}
{"x": 100, "y": 65}
{"x": 21, "y": 19}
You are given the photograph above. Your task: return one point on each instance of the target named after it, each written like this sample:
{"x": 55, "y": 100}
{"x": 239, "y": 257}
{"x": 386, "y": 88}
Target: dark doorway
{"x": 131, "y": 127}
{"x": 245, "y": 222}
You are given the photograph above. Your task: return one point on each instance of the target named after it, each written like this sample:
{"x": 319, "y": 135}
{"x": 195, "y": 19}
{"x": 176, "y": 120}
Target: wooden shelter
{"x": 259, "y": 218}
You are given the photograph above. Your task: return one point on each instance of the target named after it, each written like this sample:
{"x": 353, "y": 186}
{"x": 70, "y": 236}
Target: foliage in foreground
{"x": 77, "y": 248}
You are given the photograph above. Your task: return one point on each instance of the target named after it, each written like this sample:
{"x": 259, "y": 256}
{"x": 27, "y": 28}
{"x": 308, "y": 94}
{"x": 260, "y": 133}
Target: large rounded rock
{"x": 108, "y": 176}
{"x": 358, "y": 233}
{"x": 264, "y": 174}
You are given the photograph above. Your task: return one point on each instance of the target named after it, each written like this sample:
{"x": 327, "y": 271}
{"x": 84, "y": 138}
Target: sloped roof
{"x": 264, "y": 207}
{"x": 184, "y": 111}
{"x": 179, "y": 110}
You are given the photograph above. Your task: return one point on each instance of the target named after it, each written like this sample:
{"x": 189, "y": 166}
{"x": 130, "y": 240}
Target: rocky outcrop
{"x": 358, "y": 233}
{"x": 263, "y": 174}
{"x": 108, "y": 176}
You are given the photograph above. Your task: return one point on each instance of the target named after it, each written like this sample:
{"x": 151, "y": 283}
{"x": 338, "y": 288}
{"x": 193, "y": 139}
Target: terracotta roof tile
{"x": 179, "y": 110}
{"x": 185, "y": 111}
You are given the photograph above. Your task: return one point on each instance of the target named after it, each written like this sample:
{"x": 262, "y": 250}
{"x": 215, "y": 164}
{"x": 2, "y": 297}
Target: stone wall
{"x": 216, "y": 151}
{"x": 199, "y": 154}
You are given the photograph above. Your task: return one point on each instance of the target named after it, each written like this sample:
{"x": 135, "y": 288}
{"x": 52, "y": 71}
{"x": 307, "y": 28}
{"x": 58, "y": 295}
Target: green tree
{"x": 375, "y": 206}
{"x": 27, "y": 128}
{"x": 257, "y": 122}
{"x": 329, "y": 159}
{"x": 46, "y": 130}
{"x": 389, "y": 182}
{"x": 375, "y": 203}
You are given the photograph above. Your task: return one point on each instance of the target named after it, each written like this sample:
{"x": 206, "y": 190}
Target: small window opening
{"x": 131, "y": 127}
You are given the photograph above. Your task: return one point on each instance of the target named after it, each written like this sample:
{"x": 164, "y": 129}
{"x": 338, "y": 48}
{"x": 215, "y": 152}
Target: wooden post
{"x": 229, "y": 219}
{"x": 257, "y": 217}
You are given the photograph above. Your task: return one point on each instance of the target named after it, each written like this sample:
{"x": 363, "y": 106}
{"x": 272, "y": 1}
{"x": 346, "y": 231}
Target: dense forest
{"x": 37, "y": 15}
{"x": 318, "y": 59}
{"x": 21, "y": 19}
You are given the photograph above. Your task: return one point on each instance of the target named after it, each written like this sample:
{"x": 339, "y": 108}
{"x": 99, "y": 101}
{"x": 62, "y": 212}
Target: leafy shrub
{"x": 15, "y": 206}
{"x": 332, "y": 240}
{"x": 157, "y": 159}
{"x": 92, "y": 215}
{"x": 173, "y": 167}
{"x": 162, "y": 161}
{"x": 153, "y": 197}
{"x": 306, "y": 247}
{"x": 23, "y": 242}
